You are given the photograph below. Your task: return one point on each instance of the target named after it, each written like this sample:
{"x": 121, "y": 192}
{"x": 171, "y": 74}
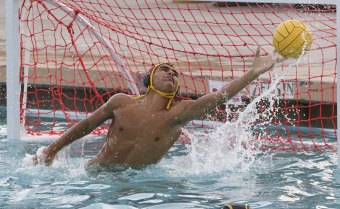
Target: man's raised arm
{"x": 81, "y": 129}
{"x": 195, "y": 109}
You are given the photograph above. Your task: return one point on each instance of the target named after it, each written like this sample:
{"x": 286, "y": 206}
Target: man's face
{"x": 165, "y": 78}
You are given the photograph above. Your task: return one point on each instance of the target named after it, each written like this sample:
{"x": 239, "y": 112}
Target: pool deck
{"x": 307, "y": 73}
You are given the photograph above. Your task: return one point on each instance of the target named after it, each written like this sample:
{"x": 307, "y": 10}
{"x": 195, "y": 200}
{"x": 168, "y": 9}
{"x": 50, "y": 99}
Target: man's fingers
{"x": 280, "y": 59}
{"x": 257, "y": 53}
{"x": 35, "y": 159}
{"x": 42, "y": 157}
{"x": 48, "y": 161}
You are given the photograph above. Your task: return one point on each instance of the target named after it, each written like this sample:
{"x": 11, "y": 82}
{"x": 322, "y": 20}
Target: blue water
{"x": 190, "y": 176}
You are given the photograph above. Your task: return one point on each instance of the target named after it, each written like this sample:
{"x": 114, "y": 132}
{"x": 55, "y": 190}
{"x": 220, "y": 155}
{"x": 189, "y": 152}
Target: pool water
{"x": 194, "y": 175}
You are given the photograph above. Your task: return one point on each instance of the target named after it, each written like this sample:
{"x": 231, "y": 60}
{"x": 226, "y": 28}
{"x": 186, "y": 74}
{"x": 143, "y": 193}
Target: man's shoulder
{"x": 119, "y": 99}
{"x": 182, "y": 104}
{"x": 121, "y": 96}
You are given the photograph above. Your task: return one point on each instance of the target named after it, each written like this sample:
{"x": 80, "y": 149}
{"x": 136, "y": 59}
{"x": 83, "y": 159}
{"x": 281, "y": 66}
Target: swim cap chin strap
{"x": 163, "y": 94}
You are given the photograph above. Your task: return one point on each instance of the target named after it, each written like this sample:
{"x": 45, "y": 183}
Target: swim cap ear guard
{"x": 146, "y": 80}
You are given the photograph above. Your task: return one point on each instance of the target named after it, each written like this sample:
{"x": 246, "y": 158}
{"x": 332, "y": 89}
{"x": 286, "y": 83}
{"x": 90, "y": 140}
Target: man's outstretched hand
{"x": 262, "y": 64}
{"x": 44, "y": 156}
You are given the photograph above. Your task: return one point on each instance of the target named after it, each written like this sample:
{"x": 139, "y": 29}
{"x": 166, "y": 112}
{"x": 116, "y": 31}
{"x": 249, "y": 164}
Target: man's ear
{"x": 146, "y": 80}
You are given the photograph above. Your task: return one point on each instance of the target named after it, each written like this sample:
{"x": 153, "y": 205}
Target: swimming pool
{"x": 185, "y": 178}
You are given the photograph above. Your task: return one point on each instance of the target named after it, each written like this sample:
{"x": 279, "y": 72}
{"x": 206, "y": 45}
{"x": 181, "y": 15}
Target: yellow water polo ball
{"x": 292, "y": 39}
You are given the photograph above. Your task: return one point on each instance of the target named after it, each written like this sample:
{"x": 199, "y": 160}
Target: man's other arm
{"x": 82, "y": 128}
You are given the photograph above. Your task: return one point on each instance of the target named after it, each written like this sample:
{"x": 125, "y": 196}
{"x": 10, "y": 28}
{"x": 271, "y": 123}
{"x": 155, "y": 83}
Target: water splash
{"x": 231, "y": 146}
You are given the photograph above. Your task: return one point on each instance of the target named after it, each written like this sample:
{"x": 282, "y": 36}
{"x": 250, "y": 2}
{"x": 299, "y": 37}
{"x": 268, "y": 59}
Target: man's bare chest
{"x": 135, "y": 120}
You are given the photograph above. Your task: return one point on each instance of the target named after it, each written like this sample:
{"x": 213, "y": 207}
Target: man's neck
{"x": 155, "y": 101}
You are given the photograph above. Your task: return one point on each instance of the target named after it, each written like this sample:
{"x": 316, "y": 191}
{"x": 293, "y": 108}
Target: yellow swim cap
{"x": 163, "y": 94}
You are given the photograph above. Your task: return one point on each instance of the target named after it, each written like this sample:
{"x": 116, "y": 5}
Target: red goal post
{"x": 75, "y": 54}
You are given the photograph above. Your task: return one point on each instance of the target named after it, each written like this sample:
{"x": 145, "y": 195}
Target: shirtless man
{"x": 144, "y": 129}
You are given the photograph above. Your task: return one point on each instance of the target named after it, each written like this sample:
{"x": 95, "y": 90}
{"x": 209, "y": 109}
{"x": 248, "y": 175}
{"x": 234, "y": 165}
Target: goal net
{"x": 77, "y": 54}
